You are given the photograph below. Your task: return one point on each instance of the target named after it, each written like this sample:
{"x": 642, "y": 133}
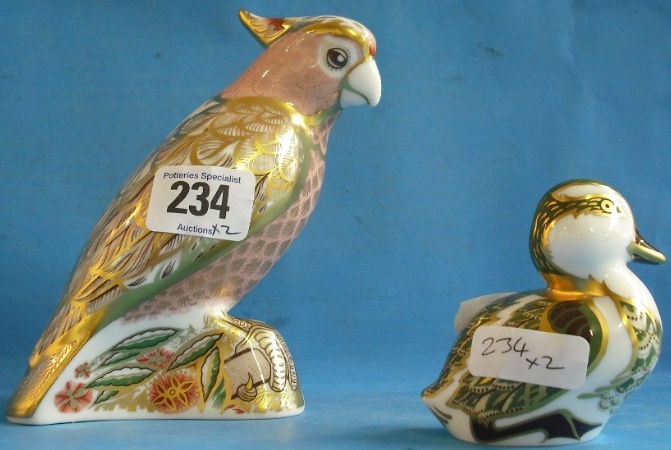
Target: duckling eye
{"x": 608, "y": 206}
{"x": 337, "y": 58}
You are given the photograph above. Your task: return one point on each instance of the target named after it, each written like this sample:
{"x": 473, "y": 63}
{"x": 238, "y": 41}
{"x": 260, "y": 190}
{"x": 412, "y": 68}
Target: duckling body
{"x": 581, "y": 239}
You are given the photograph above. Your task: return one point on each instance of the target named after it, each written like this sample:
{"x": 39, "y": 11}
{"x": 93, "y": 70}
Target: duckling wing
{"x": 470, "y": 308}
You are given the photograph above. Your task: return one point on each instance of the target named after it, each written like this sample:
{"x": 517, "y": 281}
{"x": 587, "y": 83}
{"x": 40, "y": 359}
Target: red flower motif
{"x": 83, "y": 370}
{"x": 157, "y": 358}
{"x": 174, "y": 392}
{"x": 73, "y": 398}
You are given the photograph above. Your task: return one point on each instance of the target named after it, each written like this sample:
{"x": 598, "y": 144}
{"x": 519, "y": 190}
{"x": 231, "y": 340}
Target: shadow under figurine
{"x": 549, "y": 367}
{"x": 142, "y": 330}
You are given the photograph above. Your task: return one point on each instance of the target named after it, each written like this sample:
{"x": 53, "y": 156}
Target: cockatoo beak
{"x": 362, "y": 85}
{"x": 643, "y": 252}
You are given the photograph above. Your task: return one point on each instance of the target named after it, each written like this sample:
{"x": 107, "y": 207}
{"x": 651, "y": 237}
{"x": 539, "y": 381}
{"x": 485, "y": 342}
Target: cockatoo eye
{"x": 337, "y": 58}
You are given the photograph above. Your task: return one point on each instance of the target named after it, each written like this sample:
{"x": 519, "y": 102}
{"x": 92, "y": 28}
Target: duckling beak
{"x": 643, "y": 252}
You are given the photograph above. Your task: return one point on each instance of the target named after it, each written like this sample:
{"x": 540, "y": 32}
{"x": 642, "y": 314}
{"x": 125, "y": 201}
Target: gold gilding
{"x": 566, "y": 288}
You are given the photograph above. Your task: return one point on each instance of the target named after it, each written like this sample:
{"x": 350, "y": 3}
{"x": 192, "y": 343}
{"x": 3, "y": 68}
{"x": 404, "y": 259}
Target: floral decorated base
{"x": 215, "y": 367}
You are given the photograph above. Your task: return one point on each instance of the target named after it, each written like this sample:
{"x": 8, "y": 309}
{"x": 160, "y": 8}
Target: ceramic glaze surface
{"x": 142, "y": 330}
{"x": 582, "y": 237}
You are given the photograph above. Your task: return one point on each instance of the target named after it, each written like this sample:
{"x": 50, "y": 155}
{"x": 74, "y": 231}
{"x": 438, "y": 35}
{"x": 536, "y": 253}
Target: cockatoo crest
{"x": 269, "y": 30}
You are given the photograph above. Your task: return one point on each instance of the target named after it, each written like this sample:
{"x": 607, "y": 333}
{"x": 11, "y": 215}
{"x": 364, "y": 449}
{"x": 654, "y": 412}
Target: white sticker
{"x": 529, "y": 356}
{"x": 206, "y": 201}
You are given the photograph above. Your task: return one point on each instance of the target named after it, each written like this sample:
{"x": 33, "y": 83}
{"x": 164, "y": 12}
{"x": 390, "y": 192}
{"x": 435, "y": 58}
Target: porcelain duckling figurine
{"x": 549, "y": 367}
{"x": 142, "y": 329}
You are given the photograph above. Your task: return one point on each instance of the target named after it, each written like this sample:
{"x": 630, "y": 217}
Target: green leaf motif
{"x": 146, "y": 339}
{"x": 122, "y": 377}
{"x": 219, "y": 396}
{"x": 119, "y": 357}
{"x": 196, "y": 350}
{"x": 104, "y": 396}
{"x": 210, "y": 372}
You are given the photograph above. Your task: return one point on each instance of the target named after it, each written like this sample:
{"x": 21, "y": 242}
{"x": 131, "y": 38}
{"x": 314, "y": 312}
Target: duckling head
{"x": 583, "y": 229}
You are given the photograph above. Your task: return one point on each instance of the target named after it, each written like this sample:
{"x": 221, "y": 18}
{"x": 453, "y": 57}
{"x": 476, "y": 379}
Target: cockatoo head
{"x": 318, "y": 64}
{"x": 582, "y": 228}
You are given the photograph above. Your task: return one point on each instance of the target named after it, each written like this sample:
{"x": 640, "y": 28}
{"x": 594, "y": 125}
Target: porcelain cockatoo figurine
{"x": 142, "y": 329}
{"x": 549, "y": 367}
